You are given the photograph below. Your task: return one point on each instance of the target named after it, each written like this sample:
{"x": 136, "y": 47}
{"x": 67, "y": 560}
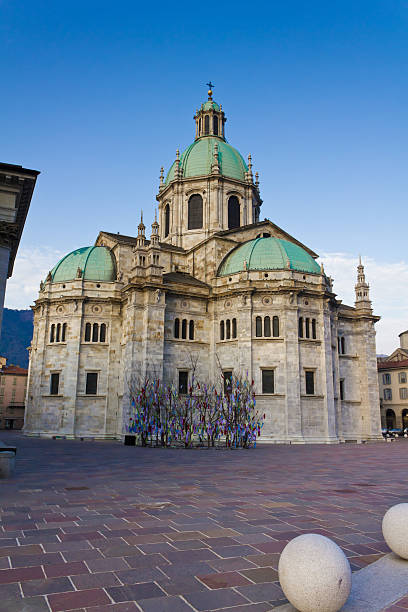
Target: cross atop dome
{"x": 210, "y": 87}
{"x": 210, "y": 118}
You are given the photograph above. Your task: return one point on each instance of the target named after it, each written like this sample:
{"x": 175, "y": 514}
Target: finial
{"x": 141, "y": 216}
{"x": 257, "y": 180}
{"x": 220, "y": 107}
{"x": 250, "y": 162}
{"x": 210, "y": 86}
{"x": 155, "y": 215}
{"x": 359, "y": 260}
{"x": 161, "y": 176}
{"x": 322, "y": 268}
{"x": 177, "y": 155}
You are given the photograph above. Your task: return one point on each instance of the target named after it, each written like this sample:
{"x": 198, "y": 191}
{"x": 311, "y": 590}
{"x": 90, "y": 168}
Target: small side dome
{"x": 268, "y": 254}
{"x": 95, "y": 263}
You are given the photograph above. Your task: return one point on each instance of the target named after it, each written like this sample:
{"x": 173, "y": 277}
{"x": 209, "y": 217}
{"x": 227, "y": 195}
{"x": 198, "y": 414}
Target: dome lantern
{"x": 210, "y": 118}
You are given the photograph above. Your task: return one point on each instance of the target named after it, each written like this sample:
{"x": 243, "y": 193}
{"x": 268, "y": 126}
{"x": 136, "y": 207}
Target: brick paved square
{"x": 145, "y": 523}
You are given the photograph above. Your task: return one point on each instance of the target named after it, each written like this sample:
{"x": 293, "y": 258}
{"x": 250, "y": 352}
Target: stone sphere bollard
{"x": 395, "y": 529}
{"x": 314, "y": 574}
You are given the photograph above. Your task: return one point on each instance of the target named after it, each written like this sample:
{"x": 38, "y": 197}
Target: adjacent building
{"x": 393, "y": 386}
{"x": 16, "y": 190}
{"x": 215, "y": 289}
{"x": 13, "y": 388}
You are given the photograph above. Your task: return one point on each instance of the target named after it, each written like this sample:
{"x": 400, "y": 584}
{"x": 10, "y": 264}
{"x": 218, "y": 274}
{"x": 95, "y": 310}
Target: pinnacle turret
{"x": 362, "y": 289}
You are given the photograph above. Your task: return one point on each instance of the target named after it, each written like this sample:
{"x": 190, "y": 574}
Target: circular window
{"x": 266, "y": 275}
{"x": 63, "y": 286}
{"x": 230, "y": 279}
{"x": 184, "y": 304}
{"x": 96, "y": 309}
{"x": 60, "y": 309}
{"x": 306, "y": 303}
{"x": 267, "y": 300}
{"x": 227, "y": 304}
{"x": 98, "y": 285}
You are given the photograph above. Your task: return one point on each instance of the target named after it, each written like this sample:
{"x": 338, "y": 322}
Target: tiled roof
{"x": 12, "y": 369}
{"x": 388, "y": 365}
{"x": 184, "y": 278}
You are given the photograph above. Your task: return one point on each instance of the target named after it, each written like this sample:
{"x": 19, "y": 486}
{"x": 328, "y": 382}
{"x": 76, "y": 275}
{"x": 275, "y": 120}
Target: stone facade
{"x": 393, "y": 386}
{"x": 169, "y": 307}
{"x": 13, "y": 387}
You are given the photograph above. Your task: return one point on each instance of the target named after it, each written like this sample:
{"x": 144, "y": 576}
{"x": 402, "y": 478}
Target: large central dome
{"x": 197, "y": 159}
{"x": 268, "y": 254}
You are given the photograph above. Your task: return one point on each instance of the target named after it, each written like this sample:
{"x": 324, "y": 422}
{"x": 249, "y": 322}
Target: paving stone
{"x": 223, "y": 579}
{"x": 18, "y": 575}
{"x": 267, "y": 591}
{"x": 142, "y": 574}
{"x": 69, "y": 601}
{"x": 164, "y": 604}
{"x": 66, "y": 569}
{"x": 135, "y": 592}
{"x": 47, "y": 586}
{"x": 91, "y": 581}
{"x": 261, "y": 574}
{"x": 212, "y": 600}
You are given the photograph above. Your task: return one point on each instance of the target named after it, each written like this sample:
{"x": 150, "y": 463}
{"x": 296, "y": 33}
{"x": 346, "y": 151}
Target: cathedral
{"x": 213, "y": 289}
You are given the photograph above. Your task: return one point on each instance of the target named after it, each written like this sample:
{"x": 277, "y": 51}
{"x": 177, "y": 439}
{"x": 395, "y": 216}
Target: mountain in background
{"x": 16, "y": 335}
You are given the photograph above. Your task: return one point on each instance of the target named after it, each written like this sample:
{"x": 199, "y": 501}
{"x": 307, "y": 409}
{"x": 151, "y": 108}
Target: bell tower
{"x": 209, "y": 187}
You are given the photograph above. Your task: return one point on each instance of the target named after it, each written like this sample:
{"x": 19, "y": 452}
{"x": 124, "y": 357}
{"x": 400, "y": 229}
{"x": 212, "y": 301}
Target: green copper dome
{"x": 268, "y": 254}
{"x": 197, "y": 159}
{"x": 210, "y": 104}
{"x": 96, "y": 263}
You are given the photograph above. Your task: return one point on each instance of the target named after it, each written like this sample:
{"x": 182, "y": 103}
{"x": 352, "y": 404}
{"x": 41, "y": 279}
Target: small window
{"x": 386, "y": 379}
{"x": 102, "y": 335}
{"x": 95, "y": 334}
{"x": 177, "y": 328}
{"x": 167, "y": 220}
{"x": 191, "y": 330}
{"x": 215, "y": 125}
{"x": 314, "y": 329}
{"x": 388, "y": 394}
{"x": 64, "y": 332}
{"x": 54, "y": 383}
{"x": 343, "y": 345}
{"x": 234, "y": 328}
{"x": 58, "y": 336}
{"x": 275, "y": 327}
{"x": 88, "y": 332}
{"x": 183, "y": 382}
{"x": 341, "y": 388}
{"x": 258, "y": 327}
{"x": 227, "y": 381}
{"x": 267, "y": 327}
{"x": 307, "y": 328}
{"x": 206, "y": 124}
{"x": 184, "y": 329}
{"x": 300, "y": 327}
{"x": 268, "y": 381}
{"x": 310, "y": 382}
{"x": 91, "y": 383}
{"x": 52, "y": 334}
{"x": 402, "y": 378}
{"x": 228, "y": 329}
{"x": 222, "y": 330}
{"x": 403, "y": 393}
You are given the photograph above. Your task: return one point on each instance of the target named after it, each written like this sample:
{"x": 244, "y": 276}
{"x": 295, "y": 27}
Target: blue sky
{"x": 98, "y": 95}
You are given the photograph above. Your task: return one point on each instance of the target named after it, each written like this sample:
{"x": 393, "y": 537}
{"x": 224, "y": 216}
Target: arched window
{"x": 267, "y": 327}
{"x": 167, "y": 220}
{"x": 233, "y": 212}
{"x": 314, "y": 329}
{"x": 343, "y": 345}
{"x": 88, "y": 332}
{"x": 195, "y": 212}
{"x": 275, "y": 327}
{"x": 199, "y": 127}
{"x": 58, "y": 336}
{"x": 95, "y": 334}
{"x": 177, "y": 328}
{"x": 307, "y": 327}
{"x": 234, "y": 328}
{"x": 64, "y": 332}
{"x": 184, "y": 329}
{"x": 191, "y": 330}
{"x": 300, "y": 327}
{"x": 215, "y": 125}
{"x": 222, "y": 332}
{"x": 258, "y": 327}
{"x": 102, "y": 333}
{"x": 52, "y": 334}
{"x": 228, "y": 329}
{"x": 206, "y": 124}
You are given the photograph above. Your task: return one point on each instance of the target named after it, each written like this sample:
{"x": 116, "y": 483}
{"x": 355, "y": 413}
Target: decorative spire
{"x": 362, "y": 289}
{"x": 140, "y": 241}
{"x": 249, "y": 176}
{"x": 154, "y": 238}
{"x": 257, "y": 180}
{"x": 161, "y": 178}
{"x": 177, "y": 170}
